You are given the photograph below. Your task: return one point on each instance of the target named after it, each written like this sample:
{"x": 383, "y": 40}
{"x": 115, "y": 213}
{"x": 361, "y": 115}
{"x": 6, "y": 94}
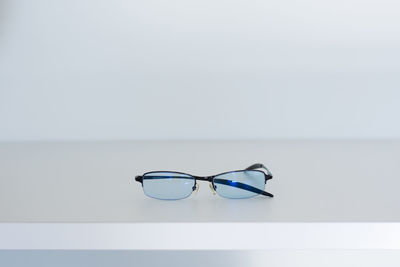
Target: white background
{"x": 199, "y": 69}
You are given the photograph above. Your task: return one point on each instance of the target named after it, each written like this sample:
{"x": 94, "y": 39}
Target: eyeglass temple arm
{"x": 260, "y": 166}
{"x": 242, "y": 186}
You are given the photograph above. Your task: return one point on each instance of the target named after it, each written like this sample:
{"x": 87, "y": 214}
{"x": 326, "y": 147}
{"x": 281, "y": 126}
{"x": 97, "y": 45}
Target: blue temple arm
{"x": 242, "y": 186}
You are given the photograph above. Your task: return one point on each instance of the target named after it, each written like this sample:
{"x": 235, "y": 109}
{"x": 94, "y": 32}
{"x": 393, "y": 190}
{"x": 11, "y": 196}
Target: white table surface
{"x": 317, "y": 185}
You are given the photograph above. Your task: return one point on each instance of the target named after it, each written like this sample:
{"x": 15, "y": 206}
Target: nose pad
{"x": 196, "y": 189}
{"x": 212, "y": 189}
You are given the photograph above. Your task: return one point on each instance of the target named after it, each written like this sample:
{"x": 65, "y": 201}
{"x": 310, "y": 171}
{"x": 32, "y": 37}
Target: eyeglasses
{"x": 171, "y": 185}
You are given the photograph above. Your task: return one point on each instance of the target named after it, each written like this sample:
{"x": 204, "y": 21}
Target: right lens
{"x": 168, "y": 185}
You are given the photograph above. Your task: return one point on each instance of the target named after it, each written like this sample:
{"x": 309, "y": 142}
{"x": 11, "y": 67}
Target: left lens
{"x": 239, "y": 184}
{"x": 168, "y": 185}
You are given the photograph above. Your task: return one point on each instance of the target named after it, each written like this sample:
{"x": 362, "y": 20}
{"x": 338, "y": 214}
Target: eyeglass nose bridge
{"x": 207, "y": 179}
{"x": 204, "y": 178}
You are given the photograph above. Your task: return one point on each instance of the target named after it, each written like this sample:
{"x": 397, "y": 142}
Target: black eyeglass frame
{"x": 267, "y": 174}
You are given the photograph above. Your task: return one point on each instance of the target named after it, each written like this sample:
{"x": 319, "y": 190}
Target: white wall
{"x": 199, "y": 69}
